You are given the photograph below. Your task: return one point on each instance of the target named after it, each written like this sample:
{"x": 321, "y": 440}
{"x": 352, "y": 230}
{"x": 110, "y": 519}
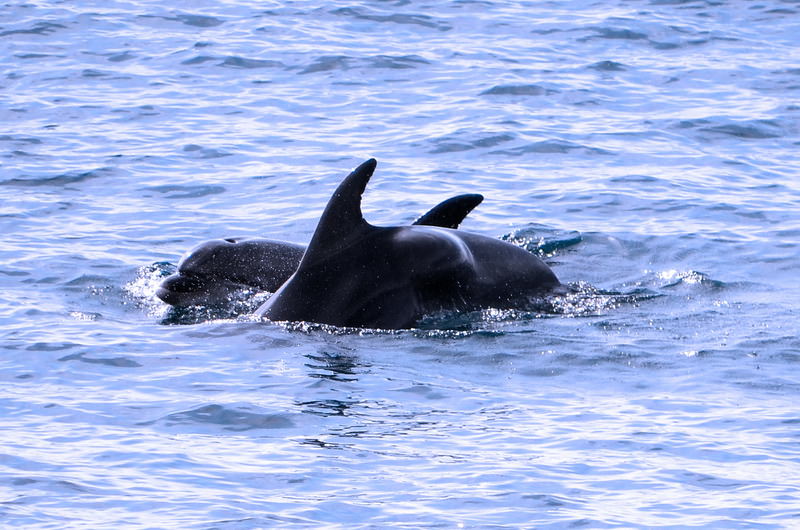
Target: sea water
{"x": 647, "y": 150}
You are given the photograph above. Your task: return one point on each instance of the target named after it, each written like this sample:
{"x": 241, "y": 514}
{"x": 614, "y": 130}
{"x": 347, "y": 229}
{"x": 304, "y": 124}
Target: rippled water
{"x": 649, "y": 150}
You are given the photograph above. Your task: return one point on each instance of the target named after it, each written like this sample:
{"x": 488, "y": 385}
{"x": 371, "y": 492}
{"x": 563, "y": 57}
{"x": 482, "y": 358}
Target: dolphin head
{"x": 205, "y": 276}
{"x": 215, "y": 272}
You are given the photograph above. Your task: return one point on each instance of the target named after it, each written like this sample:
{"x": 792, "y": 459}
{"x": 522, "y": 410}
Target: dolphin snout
{"x": 179, "y": 288}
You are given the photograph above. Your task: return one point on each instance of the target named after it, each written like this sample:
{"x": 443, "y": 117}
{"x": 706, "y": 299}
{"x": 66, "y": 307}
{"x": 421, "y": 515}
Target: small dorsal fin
{"x": 342, "y": 218}
{"x": 450, "y": 213}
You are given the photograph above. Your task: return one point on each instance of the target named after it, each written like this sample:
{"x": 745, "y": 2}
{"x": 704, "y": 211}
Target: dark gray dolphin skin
{"x": 214, "y": 271}
{"x": 354, "y": 274}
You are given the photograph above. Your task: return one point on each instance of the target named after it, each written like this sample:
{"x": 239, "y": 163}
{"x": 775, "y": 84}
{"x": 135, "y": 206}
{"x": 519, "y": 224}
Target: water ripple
{"x": 653, "y": 144}
{"x": 235, "y": 419}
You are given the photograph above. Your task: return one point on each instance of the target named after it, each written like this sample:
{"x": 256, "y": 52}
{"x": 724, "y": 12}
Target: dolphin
{"x": 213, "y": 272}
{"x": 354, "y": 274}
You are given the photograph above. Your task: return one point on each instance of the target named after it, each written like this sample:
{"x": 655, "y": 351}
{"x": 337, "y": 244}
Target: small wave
{"x": 455, "y": 143}
{"x": 39, "y": 28}
{"x": 59, "y": 487}
{"x": 619, "y": 34}
{"x": 671, "y": 279}
{"x": 328, "y": 63}
{"x": 121, "y": 57}
{"x": 200, "y": 59}
{"x": 343, "y": 62}
{"x": 753, "y": 131}
{"x": 229, "y": 418}
{"x": 174, "y": 191}
{"x": 608, "y": 66}
{"x": 399, "y": 62}
{"x": 552, "y": 147}
{"x": 204, "y": 152}
{"x": 51, "y": 346}
{"x": 188, "y": 19}
{"x": 93, "y": 73}
{"x": 634, "y": 180}
{"x": 781, "y": 11}
{"x": 87, "y": 317}
{"x": 543, "y": 240}
{"x": 235, "y": 61}
{"x": 584, "y": 300}
{"x": 117, "y": 362}
{"x": 518, "y": 90}
{"x": 576, "y": 300}
{"x": 397, "y": 18}
{"x": 200, "y": 21}
{"x": 60, "y": 180}
{"x": 89, "y": 280}
{"x": 657, "y": 36}
{"x": 38, "y": 56}
{"x": 20, "y": 139}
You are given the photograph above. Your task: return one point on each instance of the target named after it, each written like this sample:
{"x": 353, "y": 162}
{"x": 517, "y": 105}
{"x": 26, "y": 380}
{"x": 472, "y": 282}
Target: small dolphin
{"x": 354, "y": 274}
{"x": 215, "y": 271}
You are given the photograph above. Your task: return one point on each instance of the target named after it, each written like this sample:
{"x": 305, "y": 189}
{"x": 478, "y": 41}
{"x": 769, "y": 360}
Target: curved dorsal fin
{"x": 450, "y": 213}
{"x": 342, "y": 218}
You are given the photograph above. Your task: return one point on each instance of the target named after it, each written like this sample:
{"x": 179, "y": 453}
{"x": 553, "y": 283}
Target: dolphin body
{"x": 213, "y": 272}
{"x": 354, "y": 274}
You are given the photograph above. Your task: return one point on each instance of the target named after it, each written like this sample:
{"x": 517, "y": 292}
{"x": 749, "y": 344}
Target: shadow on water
{"x": 333, "y": 366}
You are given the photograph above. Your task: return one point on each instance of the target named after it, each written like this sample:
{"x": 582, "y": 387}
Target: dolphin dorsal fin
{"x": 342, "y": 219}
{"x": 450, "y": 213}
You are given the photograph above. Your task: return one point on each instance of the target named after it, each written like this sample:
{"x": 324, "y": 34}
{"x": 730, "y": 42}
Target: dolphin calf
{"x": 213, "y": 272}
{"x": 354, "y": 274}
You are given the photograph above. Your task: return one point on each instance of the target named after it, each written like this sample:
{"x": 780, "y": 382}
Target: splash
{"x": 542, "y": 240}
{"x": 142, "y": 289}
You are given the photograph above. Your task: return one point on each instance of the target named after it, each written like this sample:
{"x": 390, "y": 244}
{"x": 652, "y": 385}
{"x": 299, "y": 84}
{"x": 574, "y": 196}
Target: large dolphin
{"x": 357, "y": 275}
{"x": 214, "y": 271}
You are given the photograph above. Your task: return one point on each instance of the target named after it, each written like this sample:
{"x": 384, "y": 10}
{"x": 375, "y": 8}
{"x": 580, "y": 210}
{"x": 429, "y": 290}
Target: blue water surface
{"x": 648, "y": 150}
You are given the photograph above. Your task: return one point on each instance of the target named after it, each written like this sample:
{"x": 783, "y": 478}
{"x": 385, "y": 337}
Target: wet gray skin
{"x": 354, "y": 274}
{"x": 217, "y": 271}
